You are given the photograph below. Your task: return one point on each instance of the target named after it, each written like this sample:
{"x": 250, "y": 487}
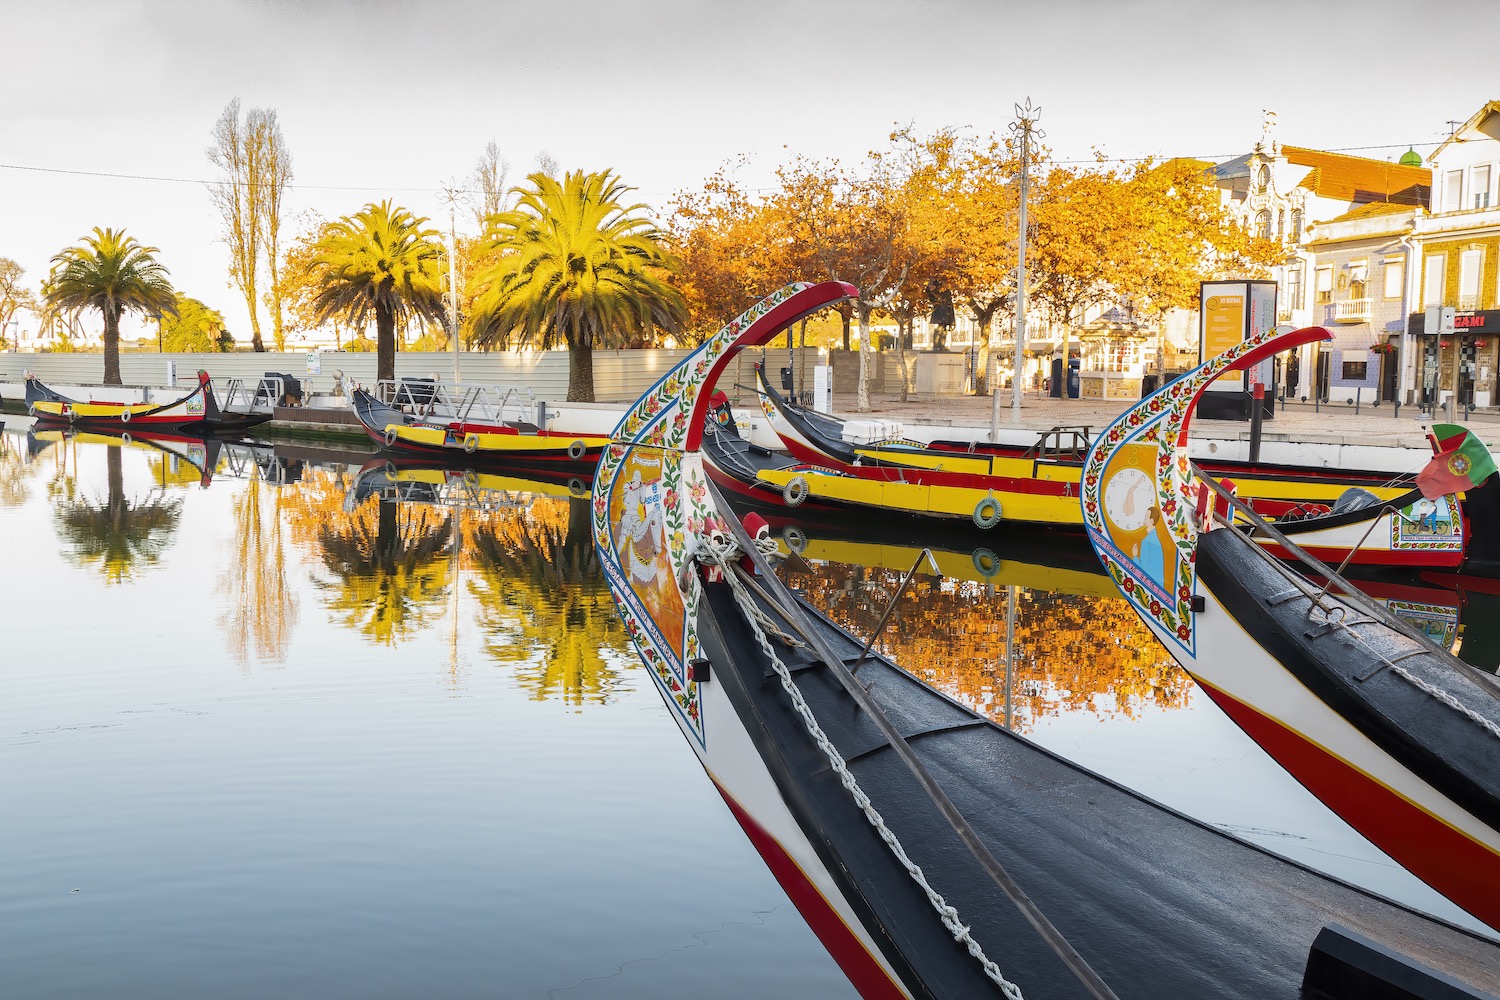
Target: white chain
{"x": 723, "y": 555}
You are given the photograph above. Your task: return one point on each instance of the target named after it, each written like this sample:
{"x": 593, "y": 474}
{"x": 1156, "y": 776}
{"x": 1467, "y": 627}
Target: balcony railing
{"x": 1351, "y": 311}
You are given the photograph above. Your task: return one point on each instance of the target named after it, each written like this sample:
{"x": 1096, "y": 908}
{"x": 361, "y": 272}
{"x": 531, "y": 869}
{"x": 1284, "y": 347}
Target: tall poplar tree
{"x": 257, "y": 168}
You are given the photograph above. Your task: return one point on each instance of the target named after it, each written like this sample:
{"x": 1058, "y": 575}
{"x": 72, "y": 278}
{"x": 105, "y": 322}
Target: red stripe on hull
{"x": 1464, "y": 870}
{"x": 866, "y": 974}
{"x": 1429, "y": 558}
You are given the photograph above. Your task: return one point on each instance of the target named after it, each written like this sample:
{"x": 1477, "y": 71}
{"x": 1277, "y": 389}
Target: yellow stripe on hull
{"x": 437, "y": 437}
{"x": 975, "y": 566}
{"x": 948, "y": 501}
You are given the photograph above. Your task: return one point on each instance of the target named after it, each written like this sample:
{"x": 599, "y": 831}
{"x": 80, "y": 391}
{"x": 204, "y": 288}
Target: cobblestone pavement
{"x": 1333, "y": 423}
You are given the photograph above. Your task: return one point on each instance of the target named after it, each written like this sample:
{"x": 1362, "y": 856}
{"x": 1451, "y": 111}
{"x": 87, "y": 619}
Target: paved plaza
{"x": 1335, "y": 423}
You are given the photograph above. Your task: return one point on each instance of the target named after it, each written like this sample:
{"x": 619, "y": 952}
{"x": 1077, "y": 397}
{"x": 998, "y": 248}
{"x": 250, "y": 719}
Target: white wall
{"x": 619, "y": 376}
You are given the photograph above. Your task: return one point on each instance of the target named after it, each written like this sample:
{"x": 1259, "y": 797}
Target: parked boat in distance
{"x": 197, "y": 413}
{"x": 934, "y": 853}
{"x": 515, "y": 441}
{"x": 847, "y": 463}
{"x": 1399, "y": 737}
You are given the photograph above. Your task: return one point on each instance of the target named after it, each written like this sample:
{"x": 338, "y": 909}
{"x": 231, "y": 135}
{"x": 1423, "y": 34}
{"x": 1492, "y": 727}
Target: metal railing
{"x": 1351, "y": 311}
{"x": 465, "y": 403}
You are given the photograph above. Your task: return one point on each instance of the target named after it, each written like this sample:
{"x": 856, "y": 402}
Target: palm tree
{"x": 113, "y": 273}
{"x": 380, "y": 262}
{"x": 570, "y": 264}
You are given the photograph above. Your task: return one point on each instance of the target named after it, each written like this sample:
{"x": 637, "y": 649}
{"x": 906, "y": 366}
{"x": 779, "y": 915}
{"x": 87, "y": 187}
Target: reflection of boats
{"x": 201, "y": 454}
{"x": 1328, "y": 510}
{"x": 516, "y": 441}
{"x": 1400, "y": 738}
{"x": 198, "y": 412}
{"x": 1051, "y": 562}
{"x": 454, "y": 484}
{"x": 210, "y": 456}
{"x": 913, "y": 834}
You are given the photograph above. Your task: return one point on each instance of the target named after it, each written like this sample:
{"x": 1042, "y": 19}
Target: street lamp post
{"x": 451, "y": 195}
{"x": 1025, "y": 127}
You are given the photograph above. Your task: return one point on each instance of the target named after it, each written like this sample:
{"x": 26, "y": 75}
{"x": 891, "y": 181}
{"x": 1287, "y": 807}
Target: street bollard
{"x": 1257, "y": 416}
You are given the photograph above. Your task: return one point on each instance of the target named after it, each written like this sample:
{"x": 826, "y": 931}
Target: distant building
{"x": 1459, "y": 245}
{"x": 1286, "y": 192}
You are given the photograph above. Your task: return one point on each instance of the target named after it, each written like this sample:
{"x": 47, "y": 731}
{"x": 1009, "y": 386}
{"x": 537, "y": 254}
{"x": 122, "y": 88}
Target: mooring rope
{"x": 1419, "y": 683}
{"x": 723, "y": 553}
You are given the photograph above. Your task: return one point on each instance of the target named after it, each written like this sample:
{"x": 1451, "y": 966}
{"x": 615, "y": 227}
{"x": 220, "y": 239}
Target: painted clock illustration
{"x": 1128, "y": 498}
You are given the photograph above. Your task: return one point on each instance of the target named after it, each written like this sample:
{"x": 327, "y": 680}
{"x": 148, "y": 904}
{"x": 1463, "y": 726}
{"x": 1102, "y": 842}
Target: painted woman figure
{"x": 1148, "y": 554}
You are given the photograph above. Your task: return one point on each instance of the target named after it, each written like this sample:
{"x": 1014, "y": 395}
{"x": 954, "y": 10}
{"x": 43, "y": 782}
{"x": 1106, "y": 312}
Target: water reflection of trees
{"x": 390, "y": 562}
{"x": 543, "y": 602}
{"x": 120, "y": 534}
{"x": 529, "y": 568}
{"x": 1072, "y": 653}
{"x": 261, "y": 609}
{"x": 16, "y": 468}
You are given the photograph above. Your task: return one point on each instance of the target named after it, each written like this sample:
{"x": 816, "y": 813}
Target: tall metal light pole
{"x": 451, "y": 195}
{"x": 1025, "y": 127}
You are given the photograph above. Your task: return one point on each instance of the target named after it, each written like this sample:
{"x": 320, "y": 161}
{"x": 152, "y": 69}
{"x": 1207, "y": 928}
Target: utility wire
{"x": 426, "y": 188}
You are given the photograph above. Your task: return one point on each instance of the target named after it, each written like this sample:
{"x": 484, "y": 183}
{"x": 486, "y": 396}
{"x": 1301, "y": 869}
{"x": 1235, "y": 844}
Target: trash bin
{"x": 786, "y": 379}
{"x": 417, "y": 392}
{"x": 286, "y": 392}
{"x": 1149, "y": 384}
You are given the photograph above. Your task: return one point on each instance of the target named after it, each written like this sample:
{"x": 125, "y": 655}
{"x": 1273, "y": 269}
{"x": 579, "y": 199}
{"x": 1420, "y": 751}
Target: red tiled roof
{"x": 1360, "y": 179}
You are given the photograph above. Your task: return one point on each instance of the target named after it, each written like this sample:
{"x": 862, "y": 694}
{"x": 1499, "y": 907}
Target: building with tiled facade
{"x": 1459, "y": 242}
{"x": 1292, "y": 192}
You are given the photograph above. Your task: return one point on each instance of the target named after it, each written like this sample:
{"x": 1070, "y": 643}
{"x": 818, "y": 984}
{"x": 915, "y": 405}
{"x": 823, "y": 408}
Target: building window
{"x": 1469, "y": 264}
{"x": 1480, "y": 185}
{"x": 1432, "y": 289}
{"x": 1263, "y": 224}
{"x": 1395, "y": 274}
{"x": 1324, "y": 287}
{"x": 1294, "y": 287}
{"x": 1359, "y": 277}
{"x": 1280, "y": 223}
{"x": 1262, "y": 178}
{"x": 1453, "y": 186}
{"x": 1296, "y": 224}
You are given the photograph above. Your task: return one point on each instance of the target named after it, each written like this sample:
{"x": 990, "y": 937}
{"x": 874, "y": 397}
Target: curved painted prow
{"x": 650, "y": 499}
{"x": 1137, "y": 494}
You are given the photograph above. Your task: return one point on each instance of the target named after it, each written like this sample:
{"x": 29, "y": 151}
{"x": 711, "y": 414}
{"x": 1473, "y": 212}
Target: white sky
{"x": 389, "y": 98}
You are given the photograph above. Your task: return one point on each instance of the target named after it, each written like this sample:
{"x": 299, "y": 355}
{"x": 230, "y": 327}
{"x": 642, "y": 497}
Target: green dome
{"x": 1411, "y": 158}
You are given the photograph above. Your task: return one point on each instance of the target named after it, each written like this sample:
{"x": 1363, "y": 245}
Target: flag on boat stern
{"x": 1462, "y": 462}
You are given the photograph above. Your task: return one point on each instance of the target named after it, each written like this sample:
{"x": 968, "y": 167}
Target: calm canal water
{"x": 270, "y": 734}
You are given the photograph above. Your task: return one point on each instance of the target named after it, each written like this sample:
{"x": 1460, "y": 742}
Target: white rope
{"x": 723, "y": 554}
{"x": 1421, "y": 685}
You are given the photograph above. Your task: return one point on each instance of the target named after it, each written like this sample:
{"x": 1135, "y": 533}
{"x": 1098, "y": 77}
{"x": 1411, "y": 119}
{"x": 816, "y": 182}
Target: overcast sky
{"x": 108, "y": 104}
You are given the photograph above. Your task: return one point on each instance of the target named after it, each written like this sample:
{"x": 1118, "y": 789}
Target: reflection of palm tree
{"x": 545, "y": 606}
{"x": 392, "y": 574}
{"x": 262, "y": 608}
{"x": 15, "y": 469}
{"x": 121, "y": 533}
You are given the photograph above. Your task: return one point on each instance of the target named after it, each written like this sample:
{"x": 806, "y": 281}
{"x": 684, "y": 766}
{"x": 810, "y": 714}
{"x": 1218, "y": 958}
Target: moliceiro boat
{"x": 934, "y": 853}
{"x": 1400, "y": 738}
{"x": 196, "y": 413}
{"x": 515, "y": 441}
{"x": 860, "y": 464}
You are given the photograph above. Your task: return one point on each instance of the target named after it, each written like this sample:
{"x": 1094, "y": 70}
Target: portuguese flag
{"x": 1462, "y": 462}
